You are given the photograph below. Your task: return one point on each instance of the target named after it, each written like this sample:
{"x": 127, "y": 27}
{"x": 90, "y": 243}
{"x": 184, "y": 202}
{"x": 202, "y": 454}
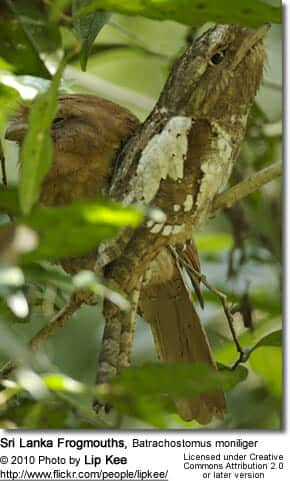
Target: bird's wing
{"x": 178, "y": 332}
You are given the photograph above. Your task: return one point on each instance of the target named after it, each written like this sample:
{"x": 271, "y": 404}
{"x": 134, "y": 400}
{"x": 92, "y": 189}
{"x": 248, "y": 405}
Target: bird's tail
{"x": 177, "y": 329}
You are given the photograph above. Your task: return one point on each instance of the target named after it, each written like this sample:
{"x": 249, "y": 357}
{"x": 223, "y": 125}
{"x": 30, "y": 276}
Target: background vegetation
{"x": 128, "y": 61}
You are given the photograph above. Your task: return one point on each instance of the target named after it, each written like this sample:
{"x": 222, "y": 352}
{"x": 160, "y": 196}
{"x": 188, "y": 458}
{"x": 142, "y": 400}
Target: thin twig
{"x": 3, "y": 166}
{"x": 138, "y": 41}
{"x": 67, "y": 20}
{"x": 58, "y": 321}
{"x": 100, "y": 48}
{"x": 110, "y": 90}
{"x": 76, "y": 300}
{"x": 227, "y": 309}
{"x": 230, "y": 196}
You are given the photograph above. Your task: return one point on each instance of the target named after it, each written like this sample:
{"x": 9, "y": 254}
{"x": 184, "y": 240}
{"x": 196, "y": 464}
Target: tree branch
{"x": 76, "y": 300}
{"x": 104, "y": 88}
{"x": 226, "y": 199}
{"x": 59, "y": 320}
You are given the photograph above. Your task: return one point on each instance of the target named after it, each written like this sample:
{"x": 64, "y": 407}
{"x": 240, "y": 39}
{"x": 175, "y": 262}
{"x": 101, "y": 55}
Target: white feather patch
{"x": 216, "y": 171}
{"x": 150, "y": 223}
{"x": 162, "y": 157}
{"x": 156, "y": 228}
{"x": 167, "y": 230}
{"x": 177, "y": 229}
{"x": 188, "y": 203}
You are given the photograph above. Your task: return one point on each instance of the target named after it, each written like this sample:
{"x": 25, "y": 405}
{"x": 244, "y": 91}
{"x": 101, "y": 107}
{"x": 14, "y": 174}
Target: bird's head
{"x": 221, "y": 73}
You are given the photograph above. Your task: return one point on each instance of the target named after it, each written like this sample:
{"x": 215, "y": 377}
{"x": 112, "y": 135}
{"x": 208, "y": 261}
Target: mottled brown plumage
{"x": 82, "y": 166}
{"x": 166, "y": 303}
{"x": 87, "y": 134}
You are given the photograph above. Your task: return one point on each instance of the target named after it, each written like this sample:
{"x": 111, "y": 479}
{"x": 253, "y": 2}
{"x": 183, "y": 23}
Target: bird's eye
{"x": 217, "y": 58}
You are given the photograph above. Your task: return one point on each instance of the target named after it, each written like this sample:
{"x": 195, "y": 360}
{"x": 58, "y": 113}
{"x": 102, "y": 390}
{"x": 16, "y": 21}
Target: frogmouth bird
{"x": 204, "y": 105}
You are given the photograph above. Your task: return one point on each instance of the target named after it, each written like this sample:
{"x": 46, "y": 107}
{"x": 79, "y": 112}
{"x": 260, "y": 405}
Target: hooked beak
{"x": 259, "y": 34}
{"x": 252, "y": 38}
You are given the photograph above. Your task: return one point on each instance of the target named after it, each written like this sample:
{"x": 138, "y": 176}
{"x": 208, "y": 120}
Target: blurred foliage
{"x": 127, "y": 60}
{"x": 191, "y": 12}
{"x": 75, "y": 229}
{"x": 25, "y": 34}
{"x": 8, "y": 102}
{"x": 37, "y": 150}
{"x": 87, "y": 27}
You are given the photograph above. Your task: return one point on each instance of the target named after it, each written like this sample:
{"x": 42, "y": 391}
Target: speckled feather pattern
{"x": 211, "y": 103}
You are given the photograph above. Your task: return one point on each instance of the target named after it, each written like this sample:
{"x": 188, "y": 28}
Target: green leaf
{"x": 60, "y": 382}
{"x": 148, "y": 392}
{"x": 8, "y": 102}
{"x": 4, "y": 65}
{"x": 272, "y": 339}
{"x": 267, "y": 362}
{"x": 87, "y": 27}
{"x": 225, "y": 350}
{"x": 152, "y": 410}
{"x": 56, "y": 9}
{"x": 9, "y": 203}
{"x": 24, "y": 34}
{"x": 43, "y": 35}
{"x": 33, "y": 417}
{"x": 37, "y": 150}
{"x": 77, "y": 228}
{"x": 178, "y": 380}
{"x": 47, "y": 274}
{"x": 193, "y": 12}
{"x": 232, "y": 377}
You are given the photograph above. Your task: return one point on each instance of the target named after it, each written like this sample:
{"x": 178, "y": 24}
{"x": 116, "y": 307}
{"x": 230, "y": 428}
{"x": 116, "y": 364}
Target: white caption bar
{"x": 143, "y": 456}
